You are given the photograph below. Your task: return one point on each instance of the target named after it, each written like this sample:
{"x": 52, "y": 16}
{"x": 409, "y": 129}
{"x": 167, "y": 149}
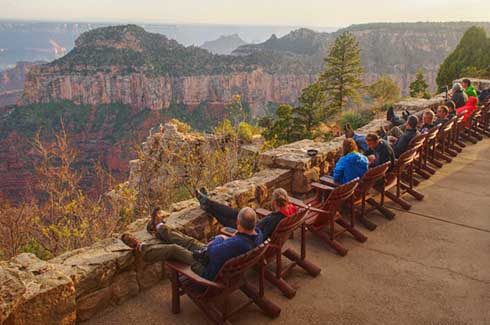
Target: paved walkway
{"x": 429, "y": 266}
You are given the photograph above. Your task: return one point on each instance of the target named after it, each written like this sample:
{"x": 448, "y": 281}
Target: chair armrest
{"x": 227, "y": 233}
{"x": 262, "y": 212}
{"x": 185, "y": 269}
{"x": 303, "y": 205}
{"x": 322, "y": 187}
{"x": 328, "y": 180}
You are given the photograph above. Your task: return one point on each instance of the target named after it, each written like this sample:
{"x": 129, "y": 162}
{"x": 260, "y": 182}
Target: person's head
{"x": 157, "y": 215}
{"x": 412, "y": 122}
{"x": 246, "y": 220}
{"x": 442, "y": 111}
{"x": 456, "y": 87}
{"x": 428, "y": 117}
{"x": 280, "y": 199}
{"x": 348, "y": 146}
{"x": 466, "y": 83}
{"x": 372, "y": 140}
{"x": 451, "y": 105}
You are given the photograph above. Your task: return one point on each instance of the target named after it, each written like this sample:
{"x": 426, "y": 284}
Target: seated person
{"x": 484, "y": 95}
{"x": 470, "y": 107}
{"x": 442, "y": 115}
{"x": 227, "y": 216}
{"x": 451, "y": 106}
{"x": 205, "y": 259}
{"x": 458, "y": 96}
{"x": 351, "y": 165}
{"x": 401, "y": 144}
{"x": 469, "y": 90}
{"x": 360, "y": 139}
{"x": 396, "y": 120}
{"x": 427, "y": 121}
{"x": 380, "y": 151}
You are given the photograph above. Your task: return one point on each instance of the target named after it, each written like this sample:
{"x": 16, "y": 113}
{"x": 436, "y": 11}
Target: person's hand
{"x": 371, "y": 159}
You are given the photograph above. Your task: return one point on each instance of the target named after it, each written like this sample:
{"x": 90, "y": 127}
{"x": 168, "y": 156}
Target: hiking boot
{"x": 202, "y": 196}
{"x": 366, "y": 223}
{"x": 130, "y": 240}
{"x": 348, "y": 131}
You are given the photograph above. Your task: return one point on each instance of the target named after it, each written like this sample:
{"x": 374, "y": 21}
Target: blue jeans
{"x": 360, "y": 140}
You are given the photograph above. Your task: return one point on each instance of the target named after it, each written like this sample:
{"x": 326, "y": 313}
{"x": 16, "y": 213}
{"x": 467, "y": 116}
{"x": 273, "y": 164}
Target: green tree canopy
{"x": 471, "y": 54}
{"x": 341, "y": 79}
{"x": 384, "y": 90}
{"x": 418, "y": 88}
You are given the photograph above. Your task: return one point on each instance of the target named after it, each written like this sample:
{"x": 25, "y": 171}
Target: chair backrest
{"x": 339, "y": 195}
{"x": 234, "y": 269}
{"x": 286, "y": 226}
{"x": 446, "y": 127}
{"x": 372, "y": 176}
{"x": 432, "y": 134}
{"x": 417, "y": 141}
{"x": 460, "y": 117}
{"x": 405, "y": 158}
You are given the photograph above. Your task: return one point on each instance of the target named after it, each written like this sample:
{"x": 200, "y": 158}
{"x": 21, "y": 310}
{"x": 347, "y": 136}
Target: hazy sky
{"x": 253, "y": 12}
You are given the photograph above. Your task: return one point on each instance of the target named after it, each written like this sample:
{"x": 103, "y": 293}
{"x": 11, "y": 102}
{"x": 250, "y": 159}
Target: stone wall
{"x": 80, "y": 283}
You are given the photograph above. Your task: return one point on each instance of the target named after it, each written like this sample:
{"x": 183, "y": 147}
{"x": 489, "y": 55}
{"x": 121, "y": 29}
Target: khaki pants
{"x": 174, "y": 246}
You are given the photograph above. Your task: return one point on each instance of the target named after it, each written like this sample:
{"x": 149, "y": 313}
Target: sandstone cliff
{"x": 12, "y": 82}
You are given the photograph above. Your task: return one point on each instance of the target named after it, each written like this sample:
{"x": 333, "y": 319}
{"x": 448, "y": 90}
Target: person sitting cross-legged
{"x": 227, "y": 216}
{"x": 351, "y": 165}
{"x": 205, "y": 259}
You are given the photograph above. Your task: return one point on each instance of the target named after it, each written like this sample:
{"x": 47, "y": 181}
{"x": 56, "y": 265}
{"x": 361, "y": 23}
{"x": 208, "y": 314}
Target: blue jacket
{"x": 221, "y": 250}
{"x": 349, "y": 167}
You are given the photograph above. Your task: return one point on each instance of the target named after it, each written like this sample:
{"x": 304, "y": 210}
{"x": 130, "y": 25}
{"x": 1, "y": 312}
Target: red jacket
{"x": 469, "y": 107}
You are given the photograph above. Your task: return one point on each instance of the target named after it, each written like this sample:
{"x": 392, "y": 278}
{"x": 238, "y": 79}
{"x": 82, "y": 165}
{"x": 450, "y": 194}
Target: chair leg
{"x": 341, "y": 250}
{"x": 359, "y": 236}
{"x": 175, "y": 292}
{"x": 388, "y": 214}
{"x": 267, "y": 306}
{"x": 309, "y": 267}
{"x": 419, "y": 196}
{"x": 404, "y": 204}
{"x": 281, "y": 284}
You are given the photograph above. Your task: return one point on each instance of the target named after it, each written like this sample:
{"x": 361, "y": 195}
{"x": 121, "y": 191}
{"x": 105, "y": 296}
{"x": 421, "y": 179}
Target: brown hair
{"x": 372, "y": 137}
{"x": 444, "y": 108}
{"x": 348, "y": 146}
{"x": 280, "y": 197}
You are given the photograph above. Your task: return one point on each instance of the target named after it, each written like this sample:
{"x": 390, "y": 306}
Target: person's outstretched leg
{"x": 225, "y": 215}
{"x": 172, "y": 236}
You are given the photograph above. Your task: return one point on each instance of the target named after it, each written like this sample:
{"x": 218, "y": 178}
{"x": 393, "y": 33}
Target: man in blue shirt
{"x": 178, "y": 246}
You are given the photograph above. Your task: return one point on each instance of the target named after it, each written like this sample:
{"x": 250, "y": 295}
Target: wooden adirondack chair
{"x": 443, "y": 140}
{"x": 484, "y": 126}
{"x": 429, "y": 150}
{"x": 330, "y": 201}
{"x": 363, "y": 195}
{"x": 418, "y": 142}
{"x": 394, "y": 179}
{"x": 470, "y": 131}
{"x": 458, "y": 128}
{"x": 231, "y": 277}
{"x": 276, "y": 251}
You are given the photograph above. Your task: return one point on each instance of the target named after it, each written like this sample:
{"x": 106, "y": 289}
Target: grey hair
{"x": 457, "y": 87}
{"x": 247, "y": 218}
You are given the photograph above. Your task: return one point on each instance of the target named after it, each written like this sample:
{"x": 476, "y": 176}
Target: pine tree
{"x": 418, "y": 88}
{"x": 471, "y": 54}
{"x": 310, "y": 112}
{"x": 341, "y": 79}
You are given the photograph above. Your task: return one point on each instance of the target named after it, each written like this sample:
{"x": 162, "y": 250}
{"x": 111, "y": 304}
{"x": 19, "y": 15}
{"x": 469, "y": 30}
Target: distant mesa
{"x": 224, "y": 45}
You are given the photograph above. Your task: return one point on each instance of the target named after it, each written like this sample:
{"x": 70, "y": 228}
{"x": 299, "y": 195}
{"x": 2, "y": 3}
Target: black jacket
{"x": 383, "y": 153}
{"x": 269, "y": 223}
{"x": 401, "y": 145}
{"x": 459, "y": 98}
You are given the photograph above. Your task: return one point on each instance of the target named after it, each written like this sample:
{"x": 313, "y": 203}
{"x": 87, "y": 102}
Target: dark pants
{"x": 225, "y": 215}
{"x": 174, "y": 246}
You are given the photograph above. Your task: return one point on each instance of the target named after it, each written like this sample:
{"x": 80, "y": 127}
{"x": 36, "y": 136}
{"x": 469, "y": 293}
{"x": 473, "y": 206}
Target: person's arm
{"x": 268, "y": 224}
{"x": 338, "y": 172}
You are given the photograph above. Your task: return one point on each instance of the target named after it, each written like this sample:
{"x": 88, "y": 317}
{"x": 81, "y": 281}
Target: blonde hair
{"x": 280, "y": 197}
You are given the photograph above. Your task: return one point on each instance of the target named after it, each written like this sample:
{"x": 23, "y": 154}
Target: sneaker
{"x": 130, "y": 240}
{"x": 348, "y": 131}
{"x": 202, "y": 196}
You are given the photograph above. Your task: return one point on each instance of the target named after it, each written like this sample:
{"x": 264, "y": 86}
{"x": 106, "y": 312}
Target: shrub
{"x": 356, "y": 119}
